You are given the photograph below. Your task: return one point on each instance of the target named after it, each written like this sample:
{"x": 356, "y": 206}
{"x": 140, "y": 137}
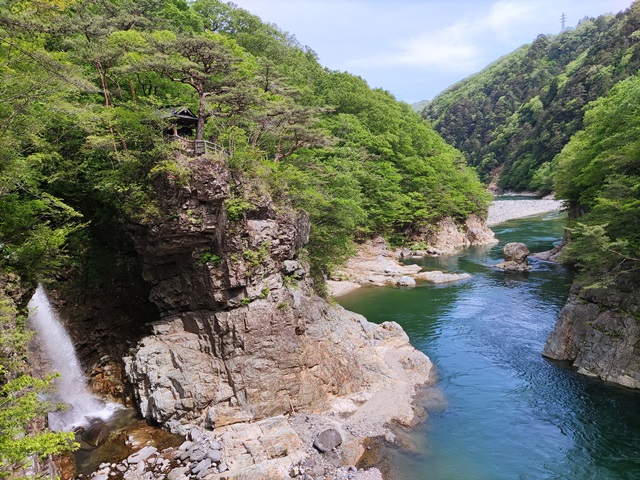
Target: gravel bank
{"x": 502, "y": 210}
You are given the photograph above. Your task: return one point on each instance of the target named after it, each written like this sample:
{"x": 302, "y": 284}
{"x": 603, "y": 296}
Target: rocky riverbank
{"x": 375, "y": 264}
{"x": 598, "y": 333}
{"x": 503, "y": 210}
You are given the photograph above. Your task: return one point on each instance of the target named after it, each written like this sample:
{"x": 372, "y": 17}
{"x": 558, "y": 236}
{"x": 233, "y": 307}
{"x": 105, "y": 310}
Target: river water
{"x": 506, "y": 412}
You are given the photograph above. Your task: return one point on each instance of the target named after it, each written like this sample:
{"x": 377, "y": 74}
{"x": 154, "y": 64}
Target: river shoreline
{"x": 454, "y": 324}
{"x": 502, "y": 211}
{"x": 375, "y": 264}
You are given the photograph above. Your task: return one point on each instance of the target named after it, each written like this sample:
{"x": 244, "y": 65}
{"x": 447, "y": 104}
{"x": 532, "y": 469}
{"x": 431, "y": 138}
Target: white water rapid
{"x": 71, "y": 385}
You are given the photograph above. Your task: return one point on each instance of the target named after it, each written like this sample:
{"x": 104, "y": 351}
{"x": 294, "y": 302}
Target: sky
{"x": 417, "y": 48}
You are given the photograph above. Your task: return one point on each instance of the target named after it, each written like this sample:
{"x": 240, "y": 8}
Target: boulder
{"x": 327, "y": 440}
{"x": 141, "y": 455}
{"x": 92, "y": 435}
{"x": 406, "y": 281}
{"x": 515, "y": 257}
{"x": 440, "y": 277}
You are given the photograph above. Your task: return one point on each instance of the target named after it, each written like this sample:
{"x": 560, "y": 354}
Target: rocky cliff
{"x": 239, "y": 336}
{"x": 598, "y": 332}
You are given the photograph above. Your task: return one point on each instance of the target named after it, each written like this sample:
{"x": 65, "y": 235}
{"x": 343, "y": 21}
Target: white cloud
{"x": 415, "y": 48}
{"x": 508, "y": 17}
{"x": 447, "y": 49}
{"x": 464, "y": 45}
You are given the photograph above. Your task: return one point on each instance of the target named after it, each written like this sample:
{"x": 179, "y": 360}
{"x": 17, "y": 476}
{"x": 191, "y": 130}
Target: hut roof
{"x": 182, "y": 114}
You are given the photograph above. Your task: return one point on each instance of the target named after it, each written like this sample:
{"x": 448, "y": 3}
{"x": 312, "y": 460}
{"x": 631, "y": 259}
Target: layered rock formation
{"x": 598, "y": 332}
{"x": 243, "y": 338}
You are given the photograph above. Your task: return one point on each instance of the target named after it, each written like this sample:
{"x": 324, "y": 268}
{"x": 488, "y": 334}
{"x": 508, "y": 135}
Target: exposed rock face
{"x": 242, "y": 337}
{"x": 598, "y": 331}
{"x": 448, "y": 236}
{"x": 292, "y": 351}
{"x": 515, "y": 257}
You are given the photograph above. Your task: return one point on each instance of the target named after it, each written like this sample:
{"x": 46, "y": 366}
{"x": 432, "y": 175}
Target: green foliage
{"x": 19, "y": 406}
{"x": 255, "y": 258}
{"x": 518, "y": 113}
{"x": 209, "y": 257}
{"x": 88, "y": 144}
{"x": 174, "y": 171}
{"x": 237, "y": 208}
{"x": 598, "y": 172}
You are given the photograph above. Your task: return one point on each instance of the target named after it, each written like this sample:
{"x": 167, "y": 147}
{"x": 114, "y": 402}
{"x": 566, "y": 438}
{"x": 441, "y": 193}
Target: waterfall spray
{"x": 72, "y": 385}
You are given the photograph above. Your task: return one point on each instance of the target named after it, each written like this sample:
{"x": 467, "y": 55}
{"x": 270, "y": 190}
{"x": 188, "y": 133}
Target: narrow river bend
{"x": 506, "y": 412}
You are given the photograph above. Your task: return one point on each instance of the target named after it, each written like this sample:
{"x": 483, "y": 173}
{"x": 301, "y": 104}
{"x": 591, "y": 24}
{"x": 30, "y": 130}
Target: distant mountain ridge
{"x": 421, "y": 105}
{"x": 519, "y": 112}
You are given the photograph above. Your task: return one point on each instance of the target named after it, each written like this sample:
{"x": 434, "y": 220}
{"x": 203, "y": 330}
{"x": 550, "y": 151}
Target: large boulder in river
{"x": 92, "y": 435}
{"x": 515, "y": 257}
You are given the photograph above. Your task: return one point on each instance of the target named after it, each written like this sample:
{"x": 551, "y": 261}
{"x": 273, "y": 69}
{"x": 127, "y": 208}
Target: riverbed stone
{"x": 437, "y": 276}
{"x": 203, "y": 465}
{"x": 327, "y": 440}
{"x": 185, "y": 445}
{"x": 214, "y": 455}
{"x": 197, "y": 455}
{"x": 141, "y": 455}
{"x": 406, "y": 281}
{"x": 177, "y": 473}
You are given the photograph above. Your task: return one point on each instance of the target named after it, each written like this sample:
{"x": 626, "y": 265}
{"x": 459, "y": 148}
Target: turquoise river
{"x": 499, "y": 410}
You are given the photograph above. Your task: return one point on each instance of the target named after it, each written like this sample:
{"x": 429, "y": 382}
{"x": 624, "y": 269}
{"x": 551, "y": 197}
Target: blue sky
{"x": 417, "y": 48}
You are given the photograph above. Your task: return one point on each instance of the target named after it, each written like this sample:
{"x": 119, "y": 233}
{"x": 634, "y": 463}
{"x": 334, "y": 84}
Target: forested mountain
{"x": 84, "y": 88}
{"x": 90, "y": 94}
{"x": 598, "y": 172}
{"x": 517, "y": 114}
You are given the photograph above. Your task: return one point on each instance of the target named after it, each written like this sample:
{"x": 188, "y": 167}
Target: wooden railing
{"x": 196, "y": 147}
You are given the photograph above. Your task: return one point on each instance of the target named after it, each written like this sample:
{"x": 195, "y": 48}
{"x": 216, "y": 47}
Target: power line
{"x": 563, "y": 19}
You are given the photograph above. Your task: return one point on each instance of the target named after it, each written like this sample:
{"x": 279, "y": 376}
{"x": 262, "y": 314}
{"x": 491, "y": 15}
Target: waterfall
{"x": 71, "y": 386}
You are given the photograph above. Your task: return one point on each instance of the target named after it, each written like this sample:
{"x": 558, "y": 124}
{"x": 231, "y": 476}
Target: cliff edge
{"x": 598, "y": 332}
{"x": 242, "y": 339}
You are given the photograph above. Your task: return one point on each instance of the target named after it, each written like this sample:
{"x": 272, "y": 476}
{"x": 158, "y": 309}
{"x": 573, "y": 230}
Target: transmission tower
{"x": 563, "y": 19}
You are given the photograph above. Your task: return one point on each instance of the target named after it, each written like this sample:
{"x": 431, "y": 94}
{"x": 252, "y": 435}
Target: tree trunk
{"x": 202, "y": 115}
